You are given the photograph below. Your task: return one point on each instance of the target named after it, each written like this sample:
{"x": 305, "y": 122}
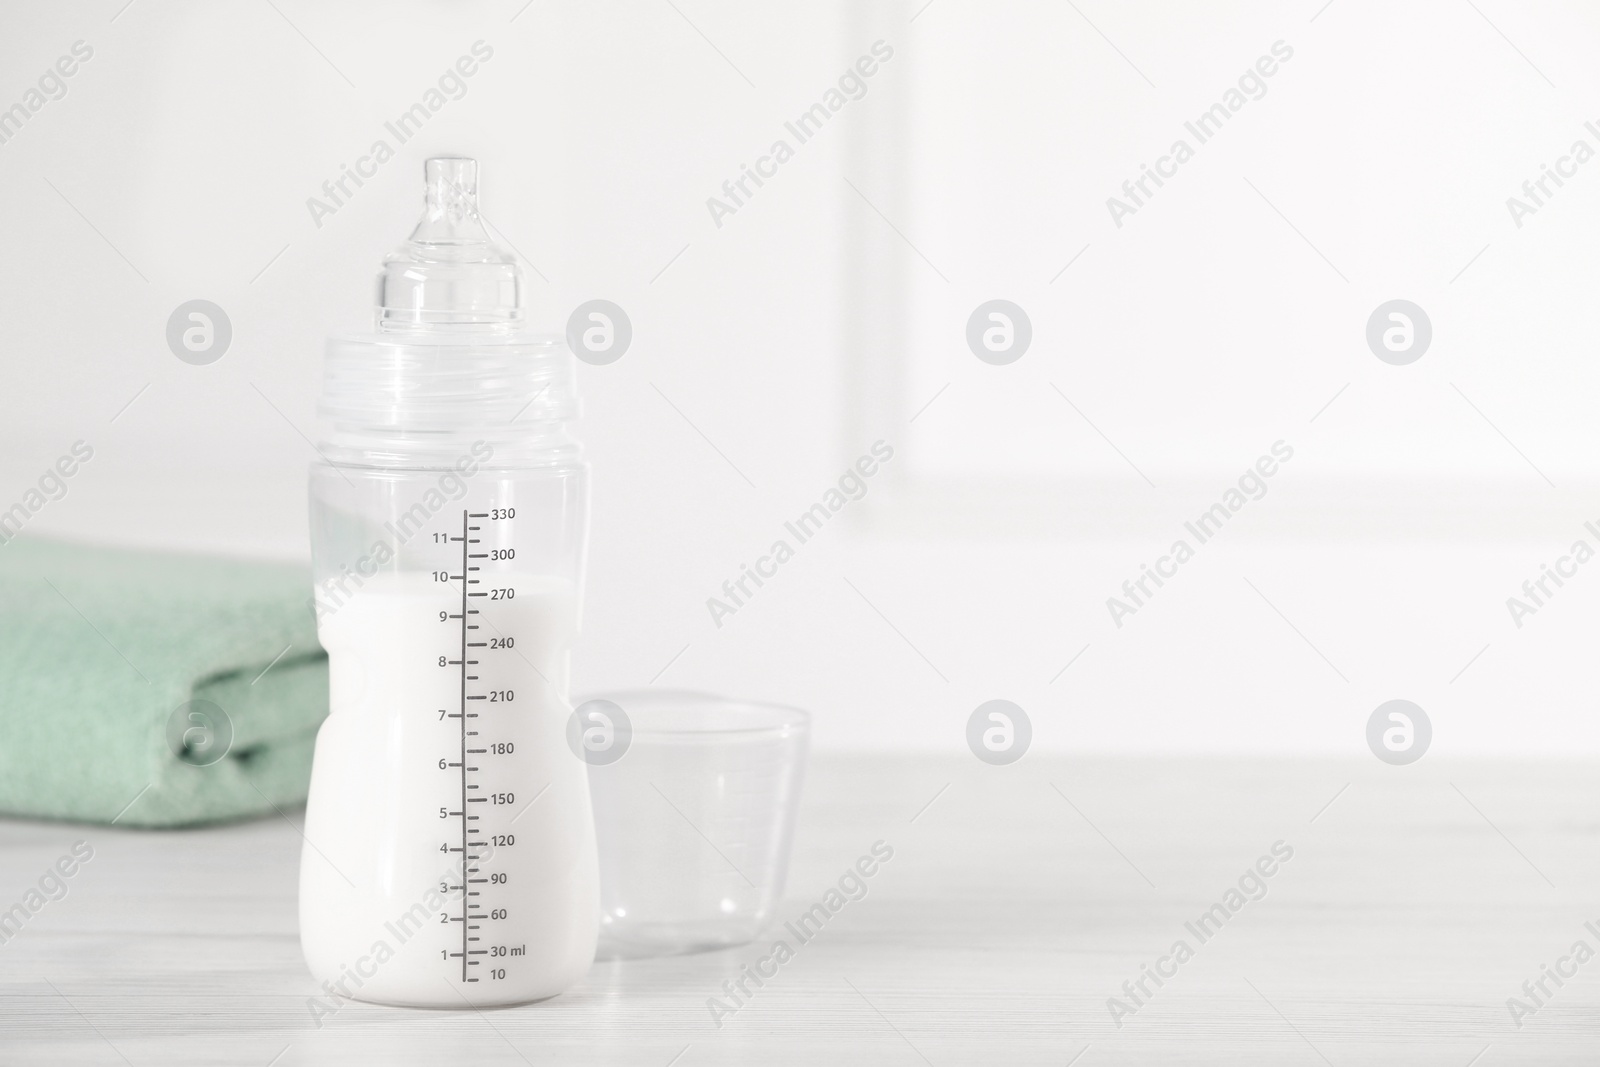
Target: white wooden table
{"x": 1016, "y": 904}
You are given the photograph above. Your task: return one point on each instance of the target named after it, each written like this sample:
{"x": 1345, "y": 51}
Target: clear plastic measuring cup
{"x": 694, "y": 821}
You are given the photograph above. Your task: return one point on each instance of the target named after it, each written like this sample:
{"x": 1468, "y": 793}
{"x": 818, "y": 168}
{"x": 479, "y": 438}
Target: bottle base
{"x": 461, "y": 1002}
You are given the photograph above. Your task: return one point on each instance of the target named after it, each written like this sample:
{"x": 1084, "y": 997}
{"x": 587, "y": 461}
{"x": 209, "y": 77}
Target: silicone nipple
{"x": 448, "y": 273}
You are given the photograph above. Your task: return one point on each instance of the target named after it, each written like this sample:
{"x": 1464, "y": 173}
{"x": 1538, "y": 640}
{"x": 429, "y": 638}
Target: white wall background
{"x": 827, "y": 312}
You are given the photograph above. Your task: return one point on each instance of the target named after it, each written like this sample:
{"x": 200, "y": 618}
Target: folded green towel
{"x": 154, "y": 689}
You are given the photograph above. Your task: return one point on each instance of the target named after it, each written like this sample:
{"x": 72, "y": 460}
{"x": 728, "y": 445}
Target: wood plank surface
{"x": 1416, "y": 902}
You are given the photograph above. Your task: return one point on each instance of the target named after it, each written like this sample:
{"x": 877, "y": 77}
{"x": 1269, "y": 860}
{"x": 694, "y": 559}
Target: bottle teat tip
{"x": 450, "y": 186}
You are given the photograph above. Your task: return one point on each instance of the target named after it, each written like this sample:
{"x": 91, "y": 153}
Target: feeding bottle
{"x": 449, "y": 858}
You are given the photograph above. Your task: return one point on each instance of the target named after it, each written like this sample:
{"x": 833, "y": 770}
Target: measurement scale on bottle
{"x": 483, "y": 881}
